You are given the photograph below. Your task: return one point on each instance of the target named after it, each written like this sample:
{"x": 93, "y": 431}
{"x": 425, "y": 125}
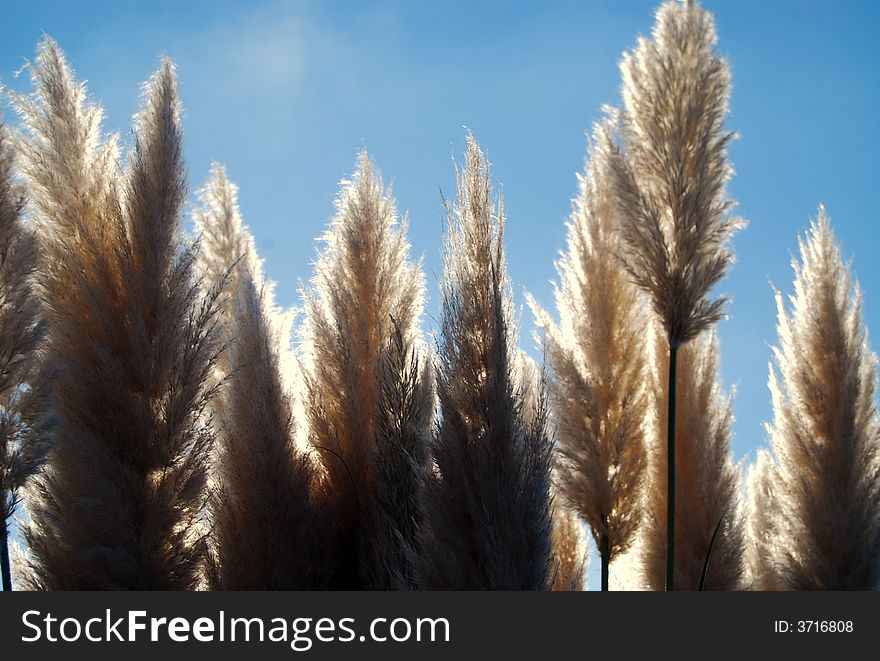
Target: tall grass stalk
{"x": 363, "y": 352}
{"x": 488, "y": 505}
{"x": 824, "y": 475}
{"x": 597, "y": 360}
{"x": 267, "y": 507}
{"x": 670, "y": 179}
{"x": 119, "y": 504}
{"x": 707, "y": 480}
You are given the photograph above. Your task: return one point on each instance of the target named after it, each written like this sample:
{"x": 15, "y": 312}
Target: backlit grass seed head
{"x": 23, "y": 423}
{"x": 268, "y": 513}
{"x": 597, "y": 360}
{"x": 825, "y": 434}
{"x": 119, "y": 503}
{"x": 488, "y": 506}
{"x": 364, "y": 293}
{"x": 671, "y": 174}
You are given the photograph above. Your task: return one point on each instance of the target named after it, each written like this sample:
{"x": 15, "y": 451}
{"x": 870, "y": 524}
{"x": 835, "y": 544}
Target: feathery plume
{"x": 361, "y": 328}
{"x": 226, "y": 248}
{"x": 488, "y": 504}
{"x": 670, "y": 180}
{"x": 118, "y": 502}
{"x": 825, "y": 435}
{"x": 394, "y": 507}
{"x": 23, "y": 438}
{"x": 225, "y": 243}
{"x": 70, "y": 170}
{"x": 672, "y": 174}
{"x": 224, "y": 239}
{"x": 761, "y": 525}
{"x": 570, "y": 551}
{"x": 707, "y": 488}
{"x": 267, "y": 506}
{"x": 596, "y": 355}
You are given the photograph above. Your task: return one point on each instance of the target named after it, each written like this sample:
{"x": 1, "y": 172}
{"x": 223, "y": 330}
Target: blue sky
{"x": 285, "y": 93}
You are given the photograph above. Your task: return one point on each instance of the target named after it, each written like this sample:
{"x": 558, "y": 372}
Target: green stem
{"x": 705, "y": 571}
{"x": 605, "y": 550}
{"x": 670, "y": 472}
{"x": 4, "y": 557}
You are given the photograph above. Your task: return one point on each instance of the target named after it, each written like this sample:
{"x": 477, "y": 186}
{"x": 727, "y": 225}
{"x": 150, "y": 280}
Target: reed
{"x": 488, "y": 504}
{"x": 824, "y": 477}
{"x": 670, "y": 181}
{"x": 360, "y": 332}
{"x": 24, "y": 418}
{"x": 118, "y": 504}
{"x": 598, "y": 366}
